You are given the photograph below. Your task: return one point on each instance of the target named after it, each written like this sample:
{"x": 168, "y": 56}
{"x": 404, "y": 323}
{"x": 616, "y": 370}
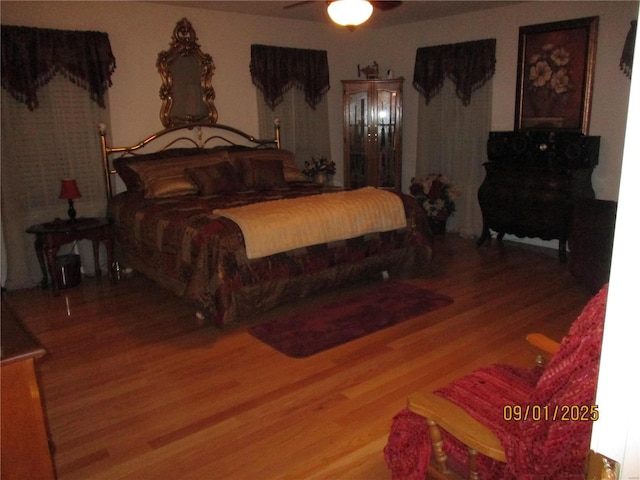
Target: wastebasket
{"x": 68, "y": 271}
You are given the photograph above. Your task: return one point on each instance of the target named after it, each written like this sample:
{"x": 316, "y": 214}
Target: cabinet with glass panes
{"x": 373, "y": 133}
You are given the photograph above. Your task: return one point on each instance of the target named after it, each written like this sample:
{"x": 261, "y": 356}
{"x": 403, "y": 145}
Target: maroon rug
{"x": 335, "y": 323}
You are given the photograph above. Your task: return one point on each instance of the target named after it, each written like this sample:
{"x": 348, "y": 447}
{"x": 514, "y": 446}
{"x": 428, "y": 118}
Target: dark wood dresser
{"x": 532, "y": 180}
{"x": 25, "y": 443}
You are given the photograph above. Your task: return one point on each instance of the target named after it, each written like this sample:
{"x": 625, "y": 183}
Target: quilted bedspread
{"x": 281, "y": 225}
{"x": 182, "y": 245}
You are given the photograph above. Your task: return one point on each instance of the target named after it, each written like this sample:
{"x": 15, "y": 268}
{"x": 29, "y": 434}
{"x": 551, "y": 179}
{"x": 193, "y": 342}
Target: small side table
{"x": 52, "y": 235}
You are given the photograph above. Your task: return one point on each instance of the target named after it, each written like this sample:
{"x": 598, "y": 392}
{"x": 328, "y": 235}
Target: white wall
{"x": 139, "y": 31}
{"x": 617, "y": 433}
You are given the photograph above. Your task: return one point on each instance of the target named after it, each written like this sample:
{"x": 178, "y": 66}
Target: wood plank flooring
{"x": 134, "y": 389}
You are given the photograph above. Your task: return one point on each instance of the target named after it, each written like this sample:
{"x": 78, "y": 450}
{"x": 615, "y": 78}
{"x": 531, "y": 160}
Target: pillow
{"x": 217, "y": 178}
{"x": 167, "y": 177}
{"x": 130, "y": 177}
{"x": 262, "y": 174}
{"x": 291, "y": 171}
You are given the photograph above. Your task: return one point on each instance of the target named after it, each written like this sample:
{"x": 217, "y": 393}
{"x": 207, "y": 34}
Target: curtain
{"x": 274, "y": 70}
{"x": 54, "y": 136}
{"x": 469, "y": 65}
{"x": 453, "y": 127}
{"x": 304, "y": 131}
{"x": 31, "y": 57}
{"x": 626, "y": 59}
{"x": 57, "y": 140}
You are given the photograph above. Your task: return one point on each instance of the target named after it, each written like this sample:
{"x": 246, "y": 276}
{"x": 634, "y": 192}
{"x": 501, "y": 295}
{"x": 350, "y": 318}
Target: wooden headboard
{"x": 196, "y": 135}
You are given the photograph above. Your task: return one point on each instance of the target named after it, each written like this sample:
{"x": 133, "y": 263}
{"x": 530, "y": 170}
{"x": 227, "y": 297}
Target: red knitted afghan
{"x": 540, "y": 449}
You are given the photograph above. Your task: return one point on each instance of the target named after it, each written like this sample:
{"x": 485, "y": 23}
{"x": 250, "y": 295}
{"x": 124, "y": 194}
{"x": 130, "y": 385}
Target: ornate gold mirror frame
{"x": 186, "y": 92}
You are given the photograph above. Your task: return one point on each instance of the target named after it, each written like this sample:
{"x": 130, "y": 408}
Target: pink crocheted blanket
{"x": 540, "y": 447}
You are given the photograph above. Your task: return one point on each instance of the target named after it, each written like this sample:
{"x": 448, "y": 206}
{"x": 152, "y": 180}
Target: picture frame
{"x": 556, "y": 64}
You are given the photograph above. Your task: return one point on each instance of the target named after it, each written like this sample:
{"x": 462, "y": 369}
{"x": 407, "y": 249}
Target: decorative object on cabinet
{"x": 370, "y": 72}
{"x": 186, "y": 92}
{"x": 533, "y": 179}
{"x": 556, "y": 63}
{"x": 373, "y": 133}
{"x": 436, "y": 195}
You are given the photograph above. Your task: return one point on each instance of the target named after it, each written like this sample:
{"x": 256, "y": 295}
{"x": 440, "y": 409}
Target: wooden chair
{"x": 502, "y": 422}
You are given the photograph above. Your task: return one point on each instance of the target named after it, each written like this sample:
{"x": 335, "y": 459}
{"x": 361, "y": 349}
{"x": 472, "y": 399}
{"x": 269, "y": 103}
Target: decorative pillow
{"x": 167, "y": 177}
{"x": 130, "y": 177}
{"x": 218, "y": 178}
{"x": 291, "y": 171}
{"x": 262, "y": 174}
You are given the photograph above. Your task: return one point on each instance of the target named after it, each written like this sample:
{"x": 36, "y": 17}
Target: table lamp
{"x": 69, "y": 191}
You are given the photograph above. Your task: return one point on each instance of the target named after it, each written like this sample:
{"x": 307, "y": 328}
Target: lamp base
{"x": 71, "y": 212}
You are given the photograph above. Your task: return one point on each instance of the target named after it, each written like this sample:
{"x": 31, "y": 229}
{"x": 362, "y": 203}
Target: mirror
{"x": 186, "y": 92}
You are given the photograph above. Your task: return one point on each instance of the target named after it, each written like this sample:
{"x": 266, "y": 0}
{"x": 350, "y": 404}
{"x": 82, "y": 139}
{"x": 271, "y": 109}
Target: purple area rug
{"x": 335, "y": 323}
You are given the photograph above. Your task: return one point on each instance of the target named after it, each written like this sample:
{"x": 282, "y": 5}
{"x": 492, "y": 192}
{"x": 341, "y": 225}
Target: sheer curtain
{"x": 292, "y": 85}
{"x": 59, "y": 139}
{"x": 454, "y": 119}
{"x": 452, "y": 140}
{"x": 54, "y": 94}
{"x": 304, "y": 131}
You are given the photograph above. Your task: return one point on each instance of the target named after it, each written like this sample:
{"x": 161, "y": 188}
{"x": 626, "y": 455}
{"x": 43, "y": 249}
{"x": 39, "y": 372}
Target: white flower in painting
{"x": 560, "y": 57}
{"x": 560, "y": 81}
{"x": 540, "y": 74}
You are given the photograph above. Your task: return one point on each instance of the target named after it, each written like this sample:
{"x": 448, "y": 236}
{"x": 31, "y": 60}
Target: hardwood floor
{"x": 135, "y": 389}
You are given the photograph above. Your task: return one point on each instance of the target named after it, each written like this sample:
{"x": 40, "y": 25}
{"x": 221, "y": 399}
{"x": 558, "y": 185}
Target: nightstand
{"x": 52, "y": 235}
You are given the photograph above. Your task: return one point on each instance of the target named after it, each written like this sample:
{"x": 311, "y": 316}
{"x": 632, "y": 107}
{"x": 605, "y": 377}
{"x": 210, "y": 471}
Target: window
{"x": 59, "y": 139}
{"x": 303, "y": 130}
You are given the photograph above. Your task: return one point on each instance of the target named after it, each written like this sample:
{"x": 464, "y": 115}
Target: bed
{"x": 178, "y": 221}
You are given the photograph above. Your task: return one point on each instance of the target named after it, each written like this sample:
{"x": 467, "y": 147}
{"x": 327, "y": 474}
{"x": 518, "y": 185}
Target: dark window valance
{"x": 275, "y": 70}
{"x": 626, "y": 60}
{"x": 469, "y": 65}
{"x": 32, "y": 56}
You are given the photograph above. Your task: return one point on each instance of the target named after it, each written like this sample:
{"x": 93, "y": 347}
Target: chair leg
{"x": 437, "y": 443}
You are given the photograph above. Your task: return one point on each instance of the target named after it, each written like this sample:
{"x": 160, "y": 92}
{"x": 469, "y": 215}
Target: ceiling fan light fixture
{"x": 350, "y": 13}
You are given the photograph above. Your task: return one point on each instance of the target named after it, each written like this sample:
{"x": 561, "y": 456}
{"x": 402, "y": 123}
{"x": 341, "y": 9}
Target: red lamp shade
{"x": 69, "y": 189}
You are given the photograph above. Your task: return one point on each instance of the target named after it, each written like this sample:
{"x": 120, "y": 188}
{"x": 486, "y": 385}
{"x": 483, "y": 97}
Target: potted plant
{"x": 319, "y": 170}
{"x": 436, "y": 196}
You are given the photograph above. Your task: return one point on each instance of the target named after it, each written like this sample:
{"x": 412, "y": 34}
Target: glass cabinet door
{"x": 372, "y": 133}
{"x": 387, "y": 113}
{"x": 358, "y": 134}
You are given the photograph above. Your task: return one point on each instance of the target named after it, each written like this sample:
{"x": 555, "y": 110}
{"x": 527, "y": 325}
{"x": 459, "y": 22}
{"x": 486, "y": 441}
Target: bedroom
{"x": 134, "y": 102}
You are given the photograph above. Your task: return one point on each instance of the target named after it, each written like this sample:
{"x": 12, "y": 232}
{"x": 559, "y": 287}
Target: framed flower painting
{"x": 556, "y": 63}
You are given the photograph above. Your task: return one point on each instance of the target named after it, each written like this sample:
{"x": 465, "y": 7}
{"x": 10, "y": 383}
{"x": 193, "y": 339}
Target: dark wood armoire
{"x": 533, "y": 179}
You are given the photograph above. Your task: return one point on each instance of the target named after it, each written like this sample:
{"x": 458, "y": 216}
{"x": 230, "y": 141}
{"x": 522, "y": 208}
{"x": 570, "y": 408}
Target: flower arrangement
{"x": 322, "y": 165}
{"x": 549, "y": 75}
{"x": 437, "y": 195}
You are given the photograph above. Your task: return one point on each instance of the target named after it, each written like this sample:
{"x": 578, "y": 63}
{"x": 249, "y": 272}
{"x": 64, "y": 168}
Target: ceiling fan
{"x": 351, "y": 13}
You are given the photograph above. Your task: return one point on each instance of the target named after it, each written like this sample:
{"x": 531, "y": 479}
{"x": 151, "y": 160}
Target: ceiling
{"x": 316, "y": 11}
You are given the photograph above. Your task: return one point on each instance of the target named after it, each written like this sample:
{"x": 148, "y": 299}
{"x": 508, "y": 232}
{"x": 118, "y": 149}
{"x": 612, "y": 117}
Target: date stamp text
{"x": 543, "y": 413}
